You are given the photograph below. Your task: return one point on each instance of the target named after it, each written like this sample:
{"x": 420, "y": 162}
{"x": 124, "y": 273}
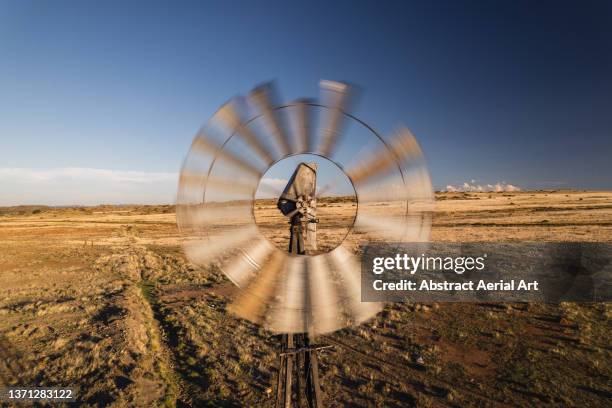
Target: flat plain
{"x": 103, "y": 300}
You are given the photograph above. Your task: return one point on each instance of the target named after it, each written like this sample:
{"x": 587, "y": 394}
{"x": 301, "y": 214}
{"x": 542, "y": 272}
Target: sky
{"x": 99, "y": 101}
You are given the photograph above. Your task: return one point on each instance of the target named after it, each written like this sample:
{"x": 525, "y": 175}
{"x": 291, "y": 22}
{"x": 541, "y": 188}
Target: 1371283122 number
{"x": 37, "y": 393}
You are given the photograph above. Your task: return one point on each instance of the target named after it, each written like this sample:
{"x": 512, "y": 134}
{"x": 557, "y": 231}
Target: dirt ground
{"x": 103, "y": 300}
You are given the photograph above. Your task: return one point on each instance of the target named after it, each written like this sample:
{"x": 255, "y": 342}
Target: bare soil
{"x": 102, "y": 299}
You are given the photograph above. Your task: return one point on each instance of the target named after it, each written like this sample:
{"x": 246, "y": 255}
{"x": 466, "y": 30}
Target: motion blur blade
{"x": 247, "y": 265}
{"x": 213, "y": 218}
{"x": 386, "y": 189}
{"x": 419, "y": 189}
{"x": 415, "y": 191}
{"x": 253, "y": 302}
{"x": 205, "y": 250}
{"x": 331, "y": 185}
{"x": 288, "y": 312}
{"x": 269, "y": 190}
{"x": 220, "y": 214}
{"x": 402, "y": 147}
{"x": 187, "y": 215}
{"x": 323, "y": 303}
{"x": 302, "y": 125}
{"x": 377, "y": 224}
{"x": 261, "y": 98}
{"x": 222, "y": 179}
{"x": 226, "y": 185}
{"x": 188, "y": 179}
{"x": 338, "y": 99}
{"x": 228, "y": 115}
{"x": 207, "y": 146}
{"x": 419, "y": 228}
{"x": 403, "y": 228}
{"x": 348, "y": 270}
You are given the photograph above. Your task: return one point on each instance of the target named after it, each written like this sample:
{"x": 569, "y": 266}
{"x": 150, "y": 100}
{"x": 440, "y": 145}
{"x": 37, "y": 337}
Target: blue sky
{"x": 509, "y": 91}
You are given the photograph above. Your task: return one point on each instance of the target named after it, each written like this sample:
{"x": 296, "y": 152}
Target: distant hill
{"x": 23, "y": 209}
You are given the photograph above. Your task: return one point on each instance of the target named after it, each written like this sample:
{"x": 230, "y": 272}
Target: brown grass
{"x": 103, "y": 300}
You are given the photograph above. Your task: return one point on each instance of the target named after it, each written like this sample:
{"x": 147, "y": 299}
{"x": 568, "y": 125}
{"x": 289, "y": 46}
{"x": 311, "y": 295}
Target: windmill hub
{"x": 304, "y": 204}
{"x": 319, "y": 199}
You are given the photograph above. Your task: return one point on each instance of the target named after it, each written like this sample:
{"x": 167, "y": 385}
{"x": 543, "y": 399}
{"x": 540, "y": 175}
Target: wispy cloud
{"x": 89, "y": 186}
{"x": 84, "y": 173}
{"x": 271, "y": 187}
{"x": 278, "y": 183}
{"x": 472, "y": 185}
{"x": 85, "y": 186}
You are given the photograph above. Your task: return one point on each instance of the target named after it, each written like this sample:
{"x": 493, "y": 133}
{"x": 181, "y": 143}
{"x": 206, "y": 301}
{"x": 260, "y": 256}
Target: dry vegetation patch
{"x": 102, "y": 299}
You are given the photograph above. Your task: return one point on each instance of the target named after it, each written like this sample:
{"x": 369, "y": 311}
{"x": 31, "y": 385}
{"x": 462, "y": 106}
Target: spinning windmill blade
{"x": 299, "y": 290}
{"x": 223, "y": 170}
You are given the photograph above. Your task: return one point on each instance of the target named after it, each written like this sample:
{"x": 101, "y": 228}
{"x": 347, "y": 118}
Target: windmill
{"x": 299, "y": 204}
{"x": 299, "y": 292}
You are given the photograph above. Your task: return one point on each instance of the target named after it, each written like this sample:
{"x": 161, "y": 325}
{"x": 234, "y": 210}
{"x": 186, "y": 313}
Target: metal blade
{"x": 288, "y": 313}
{"x": 301, "y": 120}
{"x": 324, "y": 305}
{"x": 253, "y": 302}
{"x": 348, "y": 270}
{"x": 228, "y": 115}
{"x": 379, "y": 226}
{"x": 189, "y": 179}
{"x": 402, "y": 147}
{"x": 228, "y": 186}
{"x": 338, "y": 99}
{"x": 207, "y": 146}
{"x": 331, "y": 185}
{"x": 402, "y": 228}
{"x": 202, "y": 251}
{"x": 192, "y": 180}
{"x": 246, "y": 266}
{"x": 265, "y": 188}
{"x": 261, "y": 97}
{"x": 220, "y": 214}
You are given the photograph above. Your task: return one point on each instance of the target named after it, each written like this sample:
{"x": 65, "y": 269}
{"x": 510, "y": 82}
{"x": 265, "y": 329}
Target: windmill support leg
{"x": 289, "y": 373}
{"x": 298, "y": 358}
{"x": 300, "y": 366}
{"x": 296, "y": 237}
{"x": 281, "y": 371}
{"x": 312, "y": 378}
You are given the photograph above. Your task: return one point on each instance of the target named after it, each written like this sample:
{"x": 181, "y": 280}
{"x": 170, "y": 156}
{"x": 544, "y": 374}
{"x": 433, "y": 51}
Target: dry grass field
{"x": 103, "y": 300}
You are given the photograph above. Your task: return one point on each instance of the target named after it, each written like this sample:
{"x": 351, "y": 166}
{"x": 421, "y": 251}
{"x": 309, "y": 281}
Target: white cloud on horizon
{"x": 270, "y": 187}
{"x": 90, "y": 186}
{"x": 85, "y": 186}
{"x": 85, "y": 173}
{"x": 471, "y": 186}
{"x": 278, "y": 183}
